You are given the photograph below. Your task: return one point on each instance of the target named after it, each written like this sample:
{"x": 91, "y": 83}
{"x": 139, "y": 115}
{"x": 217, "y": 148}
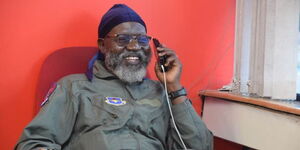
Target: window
{"x": 266, "y": 48}
{"x": 298, "y": 61}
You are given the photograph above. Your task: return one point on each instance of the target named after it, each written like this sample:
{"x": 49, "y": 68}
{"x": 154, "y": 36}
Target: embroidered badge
{"x": 49, "y": 93}
{"x": 117, "y": 101}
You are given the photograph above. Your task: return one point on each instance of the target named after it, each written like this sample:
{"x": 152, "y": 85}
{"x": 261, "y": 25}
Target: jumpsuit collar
{"x": 96, "y": 68}
{"x": 101, "y": 72}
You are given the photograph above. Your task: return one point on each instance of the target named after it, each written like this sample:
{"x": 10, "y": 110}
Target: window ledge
{"x": 287, "y": 106}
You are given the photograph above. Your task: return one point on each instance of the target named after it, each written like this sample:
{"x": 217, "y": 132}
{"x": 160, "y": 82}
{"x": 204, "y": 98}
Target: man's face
{"x": 127, "y": 61}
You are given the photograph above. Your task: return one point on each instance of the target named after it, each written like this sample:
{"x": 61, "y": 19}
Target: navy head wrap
{"x": 118, "y": 14}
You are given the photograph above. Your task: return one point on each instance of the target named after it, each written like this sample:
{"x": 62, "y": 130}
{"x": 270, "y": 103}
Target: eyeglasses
{"x": 125, "y": 39}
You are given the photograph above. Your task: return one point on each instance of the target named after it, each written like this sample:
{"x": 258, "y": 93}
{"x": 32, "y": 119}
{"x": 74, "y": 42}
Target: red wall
{"x": 201, "y": 31}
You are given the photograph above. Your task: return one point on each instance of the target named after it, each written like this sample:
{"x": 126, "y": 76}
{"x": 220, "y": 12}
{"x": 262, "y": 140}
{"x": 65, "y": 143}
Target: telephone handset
{"x": 160, "y": 59}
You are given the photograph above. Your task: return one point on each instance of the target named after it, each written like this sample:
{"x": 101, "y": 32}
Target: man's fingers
{"x": 170, "y": 60}
{"x": 167, "y": 52}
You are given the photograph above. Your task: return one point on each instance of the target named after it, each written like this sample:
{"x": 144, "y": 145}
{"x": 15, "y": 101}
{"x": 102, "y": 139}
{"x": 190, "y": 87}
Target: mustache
{"x": 142, "y": 54}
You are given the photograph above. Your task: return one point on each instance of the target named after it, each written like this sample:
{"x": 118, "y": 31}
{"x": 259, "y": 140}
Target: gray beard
{"x": 130, "y": 76}
{"x": 128, "y": 73}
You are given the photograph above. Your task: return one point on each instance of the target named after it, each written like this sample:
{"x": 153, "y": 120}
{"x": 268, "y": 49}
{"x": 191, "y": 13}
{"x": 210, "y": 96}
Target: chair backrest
{"x": 60, "y": 63}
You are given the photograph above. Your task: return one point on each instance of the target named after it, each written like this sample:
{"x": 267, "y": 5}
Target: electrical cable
{"x": 169, "y": 105}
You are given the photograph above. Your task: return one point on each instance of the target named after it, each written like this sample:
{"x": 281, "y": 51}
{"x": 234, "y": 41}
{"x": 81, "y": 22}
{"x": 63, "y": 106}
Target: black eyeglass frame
{"x": 132, "y": 37}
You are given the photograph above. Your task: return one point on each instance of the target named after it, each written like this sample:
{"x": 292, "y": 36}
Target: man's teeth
{"x": 132, "y": 58}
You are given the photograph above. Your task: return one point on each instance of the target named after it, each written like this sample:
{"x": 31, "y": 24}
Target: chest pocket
{"x": 152, "y": 107}
{"x": 111, "y": 112}
{"x": 146, "y": 112}
{"x": 157, "y": 121}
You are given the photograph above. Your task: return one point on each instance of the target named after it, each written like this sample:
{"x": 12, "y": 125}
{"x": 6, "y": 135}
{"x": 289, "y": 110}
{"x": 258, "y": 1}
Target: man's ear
{"x": 101, "y": 45}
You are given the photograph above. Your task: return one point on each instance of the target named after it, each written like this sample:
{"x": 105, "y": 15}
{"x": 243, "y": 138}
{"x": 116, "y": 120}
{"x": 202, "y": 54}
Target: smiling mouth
{"x": 133, "y": 60}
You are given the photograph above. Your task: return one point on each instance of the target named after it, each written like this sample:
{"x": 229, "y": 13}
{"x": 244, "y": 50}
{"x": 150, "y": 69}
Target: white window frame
{"x": 265, "y": 62}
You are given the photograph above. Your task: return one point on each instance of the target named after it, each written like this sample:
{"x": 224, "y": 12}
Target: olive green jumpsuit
{"x": 107, "y": 114}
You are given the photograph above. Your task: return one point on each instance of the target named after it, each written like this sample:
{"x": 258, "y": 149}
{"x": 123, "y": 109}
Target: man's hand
{"x": 174, "y": 66}
{"x": 174, "y": 71}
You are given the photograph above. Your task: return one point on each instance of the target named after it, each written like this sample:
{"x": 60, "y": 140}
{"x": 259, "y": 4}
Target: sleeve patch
{"x": 49, "y": 93}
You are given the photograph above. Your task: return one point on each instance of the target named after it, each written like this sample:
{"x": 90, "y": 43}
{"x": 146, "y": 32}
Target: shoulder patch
{"x": 49, "y": 93}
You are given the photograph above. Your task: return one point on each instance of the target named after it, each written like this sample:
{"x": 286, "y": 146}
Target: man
{"x": 114, "y": 107}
